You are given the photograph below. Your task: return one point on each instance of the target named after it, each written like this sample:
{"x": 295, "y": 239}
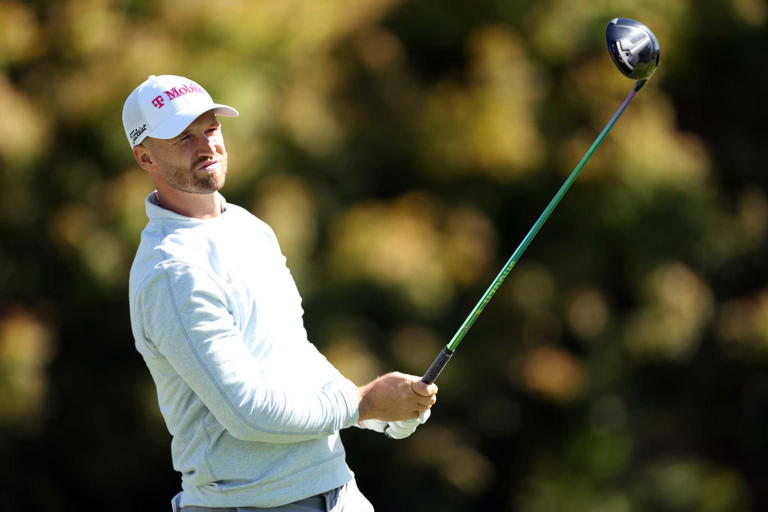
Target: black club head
{"x": 633, "y": 48}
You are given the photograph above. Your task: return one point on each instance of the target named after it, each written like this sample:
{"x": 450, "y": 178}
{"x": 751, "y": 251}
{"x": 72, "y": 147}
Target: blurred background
{"x": 401, "y": 149}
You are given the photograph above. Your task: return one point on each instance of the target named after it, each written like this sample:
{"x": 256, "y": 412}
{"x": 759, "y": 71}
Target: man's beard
{"x": 195, "y": 181}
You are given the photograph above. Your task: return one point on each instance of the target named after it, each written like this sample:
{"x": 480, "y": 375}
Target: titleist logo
{"x": 137, "y": 131}
{"x": 159, "y": 101}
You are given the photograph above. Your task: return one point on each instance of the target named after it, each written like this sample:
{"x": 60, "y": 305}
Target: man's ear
{"x": 143, "y": 156}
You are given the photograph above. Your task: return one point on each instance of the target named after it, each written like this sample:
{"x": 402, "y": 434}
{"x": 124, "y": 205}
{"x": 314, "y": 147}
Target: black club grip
{"x": 437, "y": 366}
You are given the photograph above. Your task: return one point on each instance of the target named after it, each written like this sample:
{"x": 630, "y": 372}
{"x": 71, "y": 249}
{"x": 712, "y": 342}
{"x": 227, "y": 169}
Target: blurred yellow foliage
{"x": 20, "y": 34}
{"x": 26, "y": 347}
{"x": 554, "y": 374}
{"x": 743, "y": 325}
{"x": 463, "y": 465}
{"x": 751, "y": 12}
{"x": 29, "y": 135}
{"x": 288, "y": 205}
{"x": 588, "y": 312}
{"x": 652, "y": 153}
{"x": 694, "y": 485}
{"x": 408, "y": 243}
{"x": 531, "y": 288}
{"x": 676, "y": 306}
{"x": 348, "y": 352}
{"x": 414, "y": 347}
{"x": 488, "y": 126}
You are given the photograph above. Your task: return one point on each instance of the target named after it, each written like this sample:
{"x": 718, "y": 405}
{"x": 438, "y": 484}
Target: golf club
{"x": 635, "y": 51}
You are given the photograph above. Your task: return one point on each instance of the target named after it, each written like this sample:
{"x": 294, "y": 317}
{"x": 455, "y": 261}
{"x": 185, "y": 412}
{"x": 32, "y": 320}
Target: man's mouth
{"x": 208, "y": 165}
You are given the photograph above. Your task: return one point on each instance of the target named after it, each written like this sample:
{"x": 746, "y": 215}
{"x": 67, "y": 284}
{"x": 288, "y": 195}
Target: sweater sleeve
{"x": 186, "y": 317}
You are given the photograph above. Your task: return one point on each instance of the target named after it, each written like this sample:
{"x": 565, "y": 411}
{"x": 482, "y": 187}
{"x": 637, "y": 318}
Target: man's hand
{"x": 394, "y": 397}
{"x": 404, "y": 428}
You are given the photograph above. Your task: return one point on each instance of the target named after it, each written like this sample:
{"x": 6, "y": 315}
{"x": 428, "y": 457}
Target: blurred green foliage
{"x": 401, "y": 149}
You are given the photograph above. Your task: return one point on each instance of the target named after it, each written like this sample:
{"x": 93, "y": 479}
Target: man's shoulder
{"x": 158, "y": 247}
{"x": 240, "y": 214}
{"x": 199, "y": 245}
{"x": 243, "y": 221}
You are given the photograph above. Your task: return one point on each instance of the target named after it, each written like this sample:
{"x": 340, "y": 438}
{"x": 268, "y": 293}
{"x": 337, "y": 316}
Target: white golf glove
{"x": 403, "y": 428}
{"x": 397, "y": 429}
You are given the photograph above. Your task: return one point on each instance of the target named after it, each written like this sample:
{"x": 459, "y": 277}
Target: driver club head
{"x": 633, "y": 48}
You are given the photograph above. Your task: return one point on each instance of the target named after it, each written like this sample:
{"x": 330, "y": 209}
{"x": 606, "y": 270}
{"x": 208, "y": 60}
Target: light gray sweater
{"x": 253, "y": 408}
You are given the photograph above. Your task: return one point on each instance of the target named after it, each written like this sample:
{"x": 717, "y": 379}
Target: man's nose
{"x": 206, "y": 145}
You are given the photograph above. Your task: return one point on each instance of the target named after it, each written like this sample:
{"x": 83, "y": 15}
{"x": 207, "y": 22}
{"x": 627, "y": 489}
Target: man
{"x": 253, "y": 408}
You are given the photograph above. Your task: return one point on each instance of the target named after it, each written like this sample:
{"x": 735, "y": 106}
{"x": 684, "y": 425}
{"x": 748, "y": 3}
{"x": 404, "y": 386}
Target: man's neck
{"x": 197, "y": 206}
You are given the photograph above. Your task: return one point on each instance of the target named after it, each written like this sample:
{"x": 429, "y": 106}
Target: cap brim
{"x": 177, "y": 123}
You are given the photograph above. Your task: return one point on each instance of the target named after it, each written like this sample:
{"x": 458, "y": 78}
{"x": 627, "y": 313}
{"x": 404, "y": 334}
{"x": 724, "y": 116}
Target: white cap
{"x": 163, "y": 106}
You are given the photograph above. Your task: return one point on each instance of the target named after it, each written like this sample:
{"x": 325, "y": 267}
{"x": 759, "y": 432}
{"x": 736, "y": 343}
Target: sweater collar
{"x": 157, "y": 212}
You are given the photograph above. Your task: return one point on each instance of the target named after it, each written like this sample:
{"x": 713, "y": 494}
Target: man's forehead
{"x": 205, "y": 119}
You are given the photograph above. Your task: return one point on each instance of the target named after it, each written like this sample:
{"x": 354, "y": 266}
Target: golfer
{"x": 254, "y": 410}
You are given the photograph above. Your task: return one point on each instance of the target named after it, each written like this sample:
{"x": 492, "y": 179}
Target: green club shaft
{"x": 536, "y": 227}
{"x": 445, "y": 355}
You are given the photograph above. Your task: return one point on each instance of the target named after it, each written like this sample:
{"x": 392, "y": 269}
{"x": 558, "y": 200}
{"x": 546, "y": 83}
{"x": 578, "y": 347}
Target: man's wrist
{"x": 362, "y": 404}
